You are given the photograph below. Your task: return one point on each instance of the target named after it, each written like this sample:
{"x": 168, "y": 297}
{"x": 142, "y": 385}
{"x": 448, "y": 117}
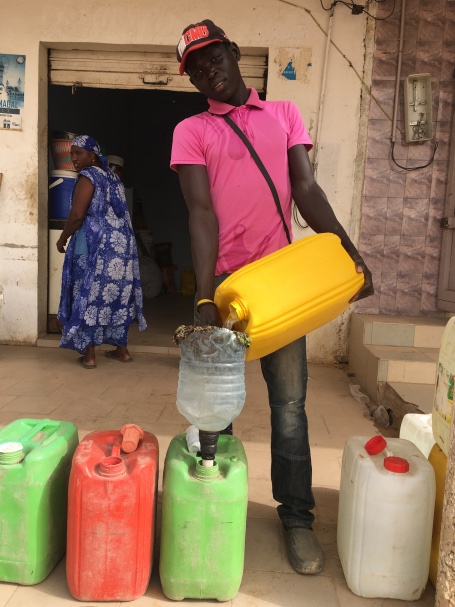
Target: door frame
{"x": 446, "y": 292}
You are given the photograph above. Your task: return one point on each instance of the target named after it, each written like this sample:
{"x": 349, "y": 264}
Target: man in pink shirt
{"x": 235, "y": 220}
{"x": 247, "y": 230}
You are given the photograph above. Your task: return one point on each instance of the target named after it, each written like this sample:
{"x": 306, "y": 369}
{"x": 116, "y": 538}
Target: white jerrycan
{"x": 385, "y": 517}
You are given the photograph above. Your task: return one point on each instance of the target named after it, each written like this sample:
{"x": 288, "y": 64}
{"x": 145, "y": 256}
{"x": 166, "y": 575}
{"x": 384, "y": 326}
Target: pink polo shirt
{"x": 250, "y": 226}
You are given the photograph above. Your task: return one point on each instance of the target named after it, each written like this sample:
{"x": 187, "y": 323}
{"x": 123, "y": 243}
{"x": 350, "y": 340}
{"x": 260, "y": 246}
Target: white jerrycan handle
{"x": 56, "y": 182}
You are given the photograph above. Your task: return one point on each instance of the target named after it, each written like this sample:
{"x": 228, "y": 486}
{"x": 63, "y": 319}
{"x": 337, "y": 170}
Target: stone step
{"x": 401, "y": 364}
{"x": 394, "y": 359}
{"x": 407, "y": 331}
{"x": 373, "y": 366}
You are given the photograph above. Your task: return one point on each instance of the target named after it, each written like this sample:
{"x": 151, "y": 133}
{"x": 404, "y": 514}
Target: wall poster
{"x": 12, "y": 77}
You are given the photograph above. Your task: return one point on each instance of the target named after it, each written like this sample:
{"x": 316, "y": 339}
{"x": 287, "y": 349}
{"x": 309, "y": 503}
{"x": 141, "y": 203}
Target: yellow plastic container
{"x": 289, "y": 293}
{"x": 188, "y": 281}
{"x": 438, "y": 459}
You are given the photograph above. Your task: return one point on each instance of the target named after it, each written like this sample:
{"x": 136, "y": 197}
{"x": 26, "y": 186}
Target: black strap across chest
{"x": 261, "y": 167}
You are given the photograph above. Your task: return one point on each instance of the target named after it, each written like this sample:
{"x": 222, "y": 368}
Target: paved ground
{"x": 47, "y": 383}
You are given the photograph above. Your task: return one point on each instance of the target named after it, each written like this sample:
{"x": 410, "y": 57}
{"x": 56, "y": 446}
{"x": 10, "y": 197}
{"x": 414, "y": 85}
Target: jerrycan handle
{"x": 37, "y": 428}
{"x": 131, "y": 435}
{"x": 116, "y": 446}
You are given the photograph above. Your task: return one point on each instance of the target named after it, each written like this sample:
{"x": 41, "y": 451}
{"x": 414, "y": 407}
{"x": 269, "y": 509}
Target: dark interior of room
{"x": 137, "y": 125}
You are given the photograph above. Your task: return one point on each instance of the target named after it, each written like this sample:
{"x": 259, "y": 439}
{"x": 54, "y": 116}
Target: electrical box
{"x": 418, "y": 115}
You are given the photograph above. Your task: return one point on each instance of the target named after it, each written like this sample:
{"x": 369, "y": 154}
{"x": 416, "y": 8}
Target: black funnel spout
{"x": 208, "y": 440}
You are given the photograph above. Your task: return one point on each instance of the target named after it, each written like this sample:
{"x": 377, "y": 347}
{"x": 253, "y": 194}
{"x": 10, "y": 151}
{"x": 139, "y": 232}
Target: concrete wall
{"x": 287, "y": 30}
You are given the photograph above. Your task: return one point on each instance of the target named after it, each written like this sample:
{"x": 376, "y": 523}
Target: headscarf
{"x": 117, "y": 200}
{"x": 88, "y": 143}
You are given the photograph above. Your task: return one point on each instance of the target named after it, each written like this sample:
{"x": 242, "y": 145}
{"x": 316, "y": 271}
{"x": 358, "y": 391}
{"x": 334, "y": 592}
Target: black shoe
{"x": 304, "y": 552}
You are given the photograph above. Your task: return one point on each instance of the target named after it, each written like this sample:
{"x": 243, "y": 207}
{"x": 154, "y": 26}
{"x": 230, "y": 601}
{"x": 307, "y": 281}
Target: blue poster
{"x": 289, "y": 72}
{"x": 12, "y": 79}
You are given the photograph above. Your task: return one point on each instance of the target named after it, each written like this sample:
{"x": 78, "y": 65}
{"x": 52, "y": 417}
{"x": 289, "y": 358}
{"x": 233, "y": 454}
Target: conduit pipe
{"x": 398, "y": 76}
{"x": 321, "y": 99}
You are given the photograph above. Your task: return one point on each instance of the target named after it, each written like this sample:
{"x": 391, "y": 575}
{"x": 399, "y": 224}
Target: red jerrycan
{"x": 111, "y": 515}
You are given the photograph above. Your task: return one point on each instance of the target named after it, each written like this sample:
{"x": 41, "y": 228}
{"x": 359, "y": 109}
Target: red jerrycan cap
{"x": 375, "y": 445}
{"x": 396, "y": 464}
{"x": 132, "y": 434}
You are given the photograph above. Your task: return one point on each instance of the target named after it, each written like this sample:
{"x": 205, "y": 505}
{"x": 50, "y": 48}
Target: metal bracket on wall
{"x": 75, "y": 86}
{"x": 156, "y": 79}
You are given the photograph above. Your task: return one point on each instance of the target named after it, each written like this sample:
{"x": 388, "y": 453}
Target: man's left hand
{"x": 367, "y": 288}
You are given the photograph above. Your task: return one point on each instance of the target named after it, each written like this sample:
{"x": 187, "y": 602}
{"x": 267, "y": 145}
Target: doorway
{"x": 130, "y": 101}
{"x": 137, "y": 125}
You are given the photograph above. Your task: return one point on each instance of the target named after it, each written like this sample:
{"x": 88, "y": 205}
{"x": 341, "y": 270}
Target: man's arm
{"x": 317, "y": 212}
{"x": 204, "y": 235}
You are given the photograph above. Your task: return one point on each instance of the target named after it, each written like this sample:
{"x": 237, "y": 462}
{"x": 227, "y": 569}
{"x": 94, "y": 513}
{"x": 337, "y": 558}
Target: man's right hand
{"x": 210, "y": 315}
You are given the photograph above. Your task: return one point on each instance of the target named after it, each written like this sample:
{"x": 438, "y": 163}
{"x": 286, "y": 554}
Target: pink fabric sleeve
{"x": 297, "y": 130}
{"x": 186, "y": 145}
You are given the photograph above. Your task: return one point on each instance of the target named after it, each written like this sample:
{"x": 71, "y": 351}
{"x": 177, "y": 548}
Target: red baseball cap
{"x": 198, "y": 35}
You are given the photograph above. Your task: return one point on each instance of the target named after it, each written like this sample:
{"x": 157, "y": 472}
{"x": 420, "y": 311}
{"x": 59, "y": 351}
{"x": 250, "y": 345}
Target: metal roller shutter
{"x": 139, "y": 69}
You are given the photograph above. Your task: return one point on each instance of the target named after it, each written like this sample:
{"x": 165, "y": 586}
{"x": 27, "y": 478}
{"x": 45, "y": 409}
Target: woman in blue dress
{"x": 101, "y": 288}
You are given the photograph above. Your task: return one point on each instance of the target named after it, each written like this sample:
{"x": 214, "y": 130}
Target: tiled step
{"x": 397, "y": 352}
{"x": 402, "y": 364}
{"x": 408, "y": 331}
{"x": 378, "y": 364}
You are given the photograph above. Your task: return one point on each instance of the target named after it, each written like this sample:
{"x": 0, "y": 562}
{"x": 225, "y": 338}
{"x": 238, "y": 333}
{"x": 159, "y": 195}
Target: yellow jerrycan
{"x": 287, "y": 294}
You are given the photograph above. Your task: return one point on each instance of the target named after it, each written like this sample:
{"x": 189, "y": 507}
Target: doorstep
{"x": 53, "y": 341}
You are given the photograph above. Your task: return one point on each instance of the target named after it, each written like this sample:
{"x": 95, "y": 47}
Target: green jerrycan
{"x": 35, "y": 463}
{"x": 203, "y": 521}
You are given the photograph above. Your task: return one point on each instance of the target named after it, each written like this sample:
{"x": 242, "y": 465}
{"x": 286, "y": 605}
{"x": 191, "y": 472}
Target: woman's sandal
{"x": 110, "y": 354}
{"x": 83, "y": 364}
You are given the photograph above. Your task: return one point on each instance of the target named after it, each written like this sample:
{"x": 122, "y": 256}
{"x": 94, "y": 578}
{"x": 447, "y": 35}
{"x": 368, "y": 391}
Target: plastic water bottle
{"x": 358, "y": 394}
{"x": 211, "y": 385}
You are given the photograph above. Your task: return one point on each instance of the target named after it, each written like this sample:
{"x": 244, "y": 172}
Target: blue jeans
{"x": 286, "y": 375}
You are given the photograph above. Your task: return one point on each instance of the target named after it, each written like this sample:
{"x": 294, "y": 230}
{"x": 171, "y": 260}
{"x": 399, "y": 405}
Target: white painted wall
{"x": 274, "y": 24}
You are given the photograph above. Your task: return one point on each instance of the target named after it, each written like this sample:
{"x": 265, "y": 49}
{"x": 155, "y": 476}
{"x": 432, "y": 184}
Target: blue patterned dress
{"x": 101, "y": 288}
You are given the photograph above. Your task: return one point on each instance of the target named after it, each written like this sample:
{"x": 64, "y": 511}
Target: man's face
{"x": 214, "y": 70}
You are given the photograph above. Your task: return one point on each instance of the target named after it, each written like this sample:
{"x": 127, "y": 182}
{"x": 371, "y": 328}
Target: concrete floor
{"x": 47, "y": 383}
